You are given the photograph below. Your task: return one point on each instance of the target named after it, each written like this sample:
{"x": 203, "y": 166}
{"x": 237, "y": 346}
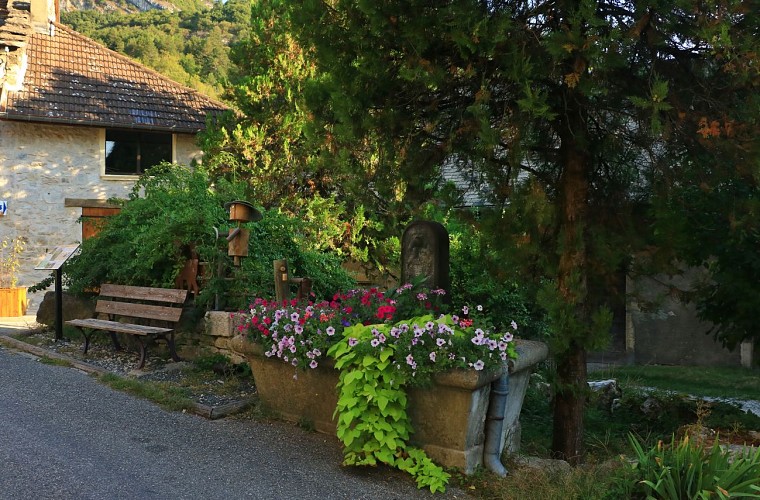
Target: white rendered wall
{"x": 40, "y": 167}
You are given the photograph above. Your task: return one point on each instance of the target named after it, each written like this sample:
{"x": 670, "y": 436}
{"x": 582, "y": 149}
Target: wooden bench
{"x": 134, "y": 306}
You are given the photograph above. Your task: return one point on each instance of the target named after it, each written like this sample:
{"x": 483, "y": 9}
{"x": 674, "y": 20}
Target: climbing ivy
{"x": 373, "y": 423}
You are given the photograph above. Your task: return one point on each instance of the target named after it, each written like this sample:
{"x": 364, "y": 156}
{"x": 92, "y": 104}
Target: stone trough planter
{"x": 449, "y": 418}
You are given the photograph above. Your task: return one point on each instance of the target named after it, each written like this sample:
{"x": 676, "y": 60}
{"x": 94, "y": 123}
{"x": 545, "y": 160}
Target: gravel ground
{"x": 208, "y": 388}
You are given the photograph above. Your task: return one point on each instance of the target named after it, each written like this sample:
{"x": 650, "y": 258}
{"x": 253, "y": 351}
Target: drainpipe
{"x": 497, "y": 408}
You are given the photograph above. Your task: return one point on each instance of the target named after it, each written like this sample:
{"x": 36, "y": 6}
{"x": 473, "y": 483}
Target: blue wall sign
{"x": 3, "y": 207}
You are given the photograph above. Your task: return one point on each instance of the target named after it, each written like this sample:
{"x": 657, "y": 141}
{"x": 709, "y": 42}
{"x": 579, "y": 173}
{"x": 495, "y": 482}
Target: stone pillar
{"x": 425, "y": 253}
{"x": 220, "y": 328}
{"x": 529, "y": 354}
{"x": 747, "y": 353}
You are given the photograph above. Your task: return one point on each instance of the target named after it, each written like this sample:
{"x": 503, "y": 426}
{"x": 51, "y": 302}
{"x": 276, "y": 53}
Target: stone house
{"x": 78, "y": 124}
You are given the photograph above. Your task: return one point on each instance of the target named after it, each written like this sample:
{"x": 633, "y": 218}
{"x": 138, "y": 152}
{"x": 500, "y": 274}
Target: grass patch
{"x": 199, "y": 380}
{"x": 27, "y": 338}
{"x": 166, "y": 395}
{"x": 594, "y": 482}
{"x": 651, "y": 415}
{"x": 55, "y": 361}
{"x": 738, "y": 383}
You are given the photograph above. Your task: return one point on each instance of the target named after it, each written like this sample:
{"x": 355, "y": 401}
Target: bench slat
{"x": 146, "y": 311}
{"x": 115, "y": 326}
{"x": 169, "y": 295}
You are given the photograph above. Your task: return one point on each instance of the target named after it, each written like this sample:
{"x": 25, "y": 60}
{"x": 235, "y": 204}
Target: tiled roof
{"x": 474, "y": 190}
{"x": 72, "y": 79}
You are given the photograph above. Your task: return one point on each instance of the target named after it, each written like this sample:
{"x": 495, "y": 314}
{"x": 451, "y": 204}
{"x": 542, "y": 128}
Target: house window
{"x": 132, "y": 153}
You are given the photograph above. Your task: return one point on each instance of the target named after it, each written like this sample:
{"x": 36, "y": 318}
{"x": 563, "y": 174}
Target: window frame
{"x": 102, "y": 141}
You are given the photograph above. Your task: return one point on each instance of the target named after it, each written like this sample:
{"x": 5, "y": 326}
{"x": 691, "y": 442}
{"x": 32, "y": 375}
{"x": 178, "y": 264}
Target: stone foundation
{"x": 218, "y": 329}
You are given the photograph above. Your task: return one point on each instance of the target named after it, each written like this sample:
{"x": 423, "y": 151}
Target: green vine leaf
{"x": 373, "y": 424}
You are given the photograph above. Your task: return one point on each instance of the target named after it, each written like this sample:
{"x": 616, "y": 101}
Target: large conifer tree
{"x": 590, "y": 119}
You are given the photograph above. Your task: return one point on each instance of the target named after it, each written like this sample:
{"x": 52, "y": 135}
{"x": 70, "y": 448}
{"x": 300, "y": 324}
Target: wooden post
{"x": 304, "y": 289}
{"x": 281, "y": 278}
{"x": 238, "y": 243}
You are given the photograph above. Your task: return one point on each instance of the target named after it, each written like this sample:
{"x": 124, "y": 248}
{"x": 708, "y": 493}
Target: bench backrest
{"x": 141, "y": 302}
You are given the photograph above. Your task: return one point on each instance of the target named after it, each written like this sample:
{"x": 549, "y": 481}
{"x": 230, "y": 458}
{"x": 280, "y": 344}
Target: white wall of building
{"x": 40, "y": 167}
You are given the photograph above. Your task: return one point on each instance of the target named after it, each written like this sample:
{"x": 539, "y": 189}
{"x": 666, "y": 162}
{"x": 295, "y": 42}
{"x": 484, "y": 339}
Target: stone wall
{"x": 43, "y": 165}
{"x": 218, "y": 329}
{"x": 664, "y": 330}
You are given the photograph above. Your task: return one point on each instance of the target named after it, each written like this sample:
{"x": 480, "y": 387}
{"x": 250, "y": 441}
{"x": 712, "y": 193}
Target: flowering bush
{"x": 425, "y": 342}
{"x": 297, "y": 334}
{"x": 426, "y": 345}
{"x": 378, "y": 362}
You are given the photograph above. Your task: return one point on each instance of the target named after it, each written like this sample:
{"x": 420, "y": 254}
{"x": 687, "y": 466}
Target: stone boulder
{"x": 73, "y": 308}
{"x": 605, "y": 393}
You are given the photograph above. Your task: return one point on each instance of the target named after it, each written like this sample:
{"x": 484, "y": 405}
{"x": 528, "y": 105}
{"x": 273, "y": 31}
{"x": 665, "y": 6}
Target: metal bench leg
{"x": 115, "y": 341}
{"x": 143, "y": 354}
{"x": 86, "y": 338}
{"x": 172, "y": 349}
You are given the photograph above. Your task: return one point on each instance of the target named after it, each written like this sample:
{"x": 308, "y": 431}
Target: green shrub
{"x": 688, "y": 470}
{"x": 481, "y": 273}
{"x": 175, "y": 209}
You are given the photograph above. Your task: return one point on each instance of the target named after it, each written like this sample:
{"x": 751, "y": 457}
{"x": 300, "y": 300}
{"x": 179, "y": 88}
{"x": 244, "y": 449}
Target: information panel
{"x": 55, "y": 259}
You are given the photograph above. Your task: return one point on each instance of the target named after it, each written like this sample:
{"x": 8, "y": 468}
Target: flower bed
{"x": 424, "y": 380}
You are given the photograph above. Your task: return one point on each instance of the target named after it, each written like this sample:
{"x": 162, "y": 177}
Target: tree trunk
{"x": 572, "y": 275}
{"x": 569, "y": 401}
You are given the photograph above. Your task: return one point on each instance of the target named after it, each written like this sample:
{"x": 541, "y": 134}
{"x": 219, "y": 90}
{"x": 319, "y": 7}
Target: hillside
{"x": 187, "y": 41}
{"x": 132, "y": 6}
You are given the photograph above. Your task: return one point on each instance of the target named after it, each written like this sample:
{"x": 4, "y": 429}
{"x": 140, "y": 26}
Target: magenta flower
{"x": 478, "y": 365}
{"x": 352, "y": 341}
{"x": 313, "y": 364}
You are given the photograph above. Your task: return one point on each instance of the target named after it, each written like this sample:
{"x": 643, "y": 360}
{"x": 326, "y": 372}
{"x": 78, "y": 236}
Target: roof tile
{"x": 73, "y": 79}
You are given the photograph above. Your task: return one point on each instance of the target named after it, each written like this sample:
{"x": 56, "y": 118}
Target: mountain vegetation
{"x": 190, "y": 46}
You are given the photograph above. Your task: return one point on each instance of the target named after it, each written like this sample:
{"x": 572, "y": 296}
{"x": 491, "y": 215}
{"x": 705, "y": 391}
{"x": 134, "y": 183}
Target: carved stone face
{"x": 425, "y": 253}
{"x": 419, "y": 255}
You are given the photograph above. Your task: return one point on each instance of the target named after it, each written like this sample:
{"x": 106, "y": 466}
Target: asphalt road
{"x": 65, "y": 436}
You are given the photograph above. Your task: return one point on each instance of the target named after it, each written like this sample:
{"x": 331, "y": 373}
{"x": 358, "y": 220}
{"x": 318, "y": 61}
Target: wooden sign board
{"x": 55, "y": 259}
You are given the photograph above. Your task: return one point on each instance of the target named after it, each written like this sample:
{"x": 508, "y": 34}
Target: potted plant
{"x": 382, "y": 382}
{"x": 12, "y": 298}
